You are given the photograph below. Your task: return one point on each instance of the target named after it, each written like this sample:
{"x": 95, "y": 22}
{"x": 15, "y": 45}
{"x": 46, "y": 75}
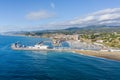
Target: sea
{"x": 52, "y": 65}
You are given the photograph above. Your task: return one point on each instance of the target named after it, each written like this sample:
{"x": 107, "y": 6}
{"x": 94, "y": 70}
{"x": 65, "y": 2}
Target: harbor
{"x": 81, "y": 48}
{"x": 57, "y": 46}
{"x": 38, "y": 47}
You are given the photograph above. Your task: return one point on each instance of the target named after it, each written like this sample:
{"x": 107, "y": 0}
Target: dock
{"x": 34, "y": 49}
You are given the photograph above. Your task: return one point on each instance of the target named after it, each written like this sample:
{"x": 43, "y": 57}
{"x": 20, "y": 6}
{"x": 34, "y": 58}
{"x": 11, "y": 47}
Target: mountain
{"x": 72, "y": 30}
{"x": 95, "y": 28}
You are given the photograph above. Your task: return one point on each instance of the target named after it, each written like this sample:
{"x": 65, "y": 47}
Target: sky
{"x": 24, "y": 15}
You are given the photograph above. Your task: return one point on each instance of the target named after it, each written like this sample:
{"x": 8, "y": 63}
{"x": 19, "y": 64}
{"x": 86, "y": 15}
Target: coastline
{"x": 101, "y": 54}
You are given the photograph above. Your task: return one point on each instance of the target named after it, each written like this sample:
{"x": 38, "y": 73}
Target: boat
{"x": 38, "y": 46}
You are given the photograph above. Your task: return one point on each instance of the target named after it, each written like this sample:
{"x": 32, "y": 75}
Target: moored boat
{"x": 39, "y": 46}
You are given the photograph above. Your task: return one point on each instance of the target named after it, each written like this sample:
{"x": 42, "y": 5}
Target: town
{"x": 91, "y": 41}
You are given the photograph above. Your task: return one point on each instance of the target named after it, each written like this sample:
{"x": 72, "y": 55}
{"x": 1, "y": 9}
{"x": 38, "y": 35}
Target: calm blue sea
{"x": 41, "y": 65}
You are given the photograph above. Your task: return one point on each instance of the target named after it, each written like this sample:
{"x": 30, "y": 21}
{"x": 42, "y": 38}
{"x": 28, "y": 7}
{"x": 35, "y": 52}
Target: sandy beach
{"x": 103, "y": 54}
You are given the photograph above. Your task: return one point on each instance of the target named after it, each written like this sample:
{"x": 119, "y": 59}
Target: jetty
{"x": 38, "y": 47}
{"x": 41, "y": 47}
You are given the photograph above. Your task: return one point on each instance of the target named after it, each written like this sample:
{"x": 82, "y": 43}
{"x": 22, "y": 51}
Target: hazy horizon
{"x": 25, "y": 15}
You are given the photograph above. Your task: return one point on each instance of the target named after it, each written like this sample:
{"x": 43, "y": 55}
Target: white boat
{"x": 39, "y": 46}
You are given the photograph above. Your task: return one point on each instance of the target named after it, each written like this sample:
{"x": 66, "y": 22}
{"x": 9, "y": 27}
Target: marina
{"x": 60, "y": 40}
{"x": 73, "y": 46}
{"x": 38, "y": 47}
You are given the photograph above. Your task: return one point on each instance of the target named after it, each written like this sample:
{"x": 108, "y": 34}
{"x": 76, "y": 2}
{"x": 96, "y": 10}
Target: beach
{"x": 103, "y": 54}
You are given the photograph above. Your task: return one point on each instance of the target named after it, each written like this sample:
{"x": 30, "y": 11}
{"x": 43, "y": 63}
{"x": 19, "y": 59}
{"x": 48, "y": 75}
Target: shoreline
{"x": 100, "y": 54}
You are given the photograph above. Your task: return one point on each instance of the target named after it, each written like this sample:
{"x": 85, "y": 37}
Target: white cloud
{"x": 7, "y": 28}
{"x": 52, "y": 5}
{"x": 104, "y": 17}
{"x": 109, "y": 16}
{"x": 89, "y": 18}
{"x": 39, "y": 15}
{"x": 107, "y": 11}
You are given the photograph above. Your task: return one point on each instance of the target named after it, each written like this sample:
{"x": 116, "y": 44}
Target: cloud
{"x": 52, "y": 5}
{"x": 7, "y": 28}
{"x": 39, "y": 15}
{"x": 103, "y": 17}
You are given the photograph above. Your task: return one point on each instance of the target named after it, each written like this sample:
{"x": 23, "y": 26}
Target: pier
{"x": 35, "y": 49}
